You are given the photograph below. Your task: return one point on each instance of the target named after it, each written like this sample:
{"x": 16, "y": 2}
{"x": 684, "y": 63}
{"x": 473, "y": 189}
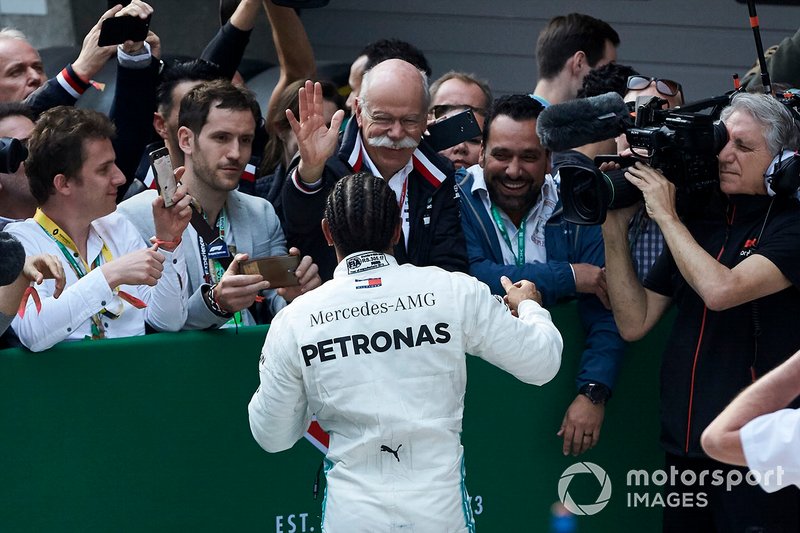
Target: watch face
{"x": 597, "y": 393}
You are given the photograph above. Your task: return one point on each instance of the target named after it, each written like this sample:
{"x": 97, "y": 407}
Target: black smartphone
{"x": 453, "y": 130}
{"x": 117, "y": 30}
{"x": 112, "y": 3}
{"x": 623, "y": 162}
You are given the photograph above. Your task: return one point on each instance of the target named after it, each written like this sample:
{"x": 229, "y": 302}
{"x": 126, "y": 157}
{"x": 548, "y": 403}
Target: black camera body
{"x": 684, "y": 148}
{"x": 12, "y": 153}
{"x": 682, "y": 145}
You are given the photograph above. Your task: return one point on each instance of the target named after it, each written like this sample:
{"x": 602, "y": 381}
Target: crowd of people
{"x": 374, "y": 214}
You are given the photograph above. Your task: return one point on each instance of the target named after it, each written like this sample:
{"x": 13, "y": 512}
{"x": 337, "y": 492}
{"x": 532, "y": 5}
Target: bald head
{"x": 391, "y": 112}
{"x": 407, "y": 84}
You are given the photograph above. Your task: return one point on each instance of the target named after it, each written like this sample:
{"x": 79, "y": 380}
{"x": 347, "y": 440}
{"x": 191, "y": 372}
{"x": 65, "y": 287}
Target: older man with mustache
{"x": 386, "y": 139}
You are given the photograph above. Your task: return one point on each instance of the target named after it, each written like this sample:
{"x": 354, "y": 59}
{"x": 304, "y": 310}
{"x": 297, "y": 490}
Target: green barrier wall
{"x": 151, "y": 434}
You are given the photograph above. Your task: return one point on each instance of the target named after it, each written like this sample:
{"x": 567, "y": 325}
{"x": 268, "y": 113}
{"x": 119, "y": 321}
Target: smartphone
{"x": 165, "y": 175}
{"x": 117, "y": 30}
{"x": 453, "y": 130}
{"x": 623, "y": 162}
{"x": 278, "y": 270}
{"x": 112, "y": 3}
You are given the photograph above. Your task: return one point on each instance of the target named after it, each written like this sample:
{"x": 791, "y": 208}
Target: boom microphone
{"x": 583, "y": 121}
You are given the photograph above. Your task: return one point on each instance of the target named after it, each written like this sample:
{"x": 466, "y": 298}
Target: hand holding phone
{"x": 453, "y": 130}
{"x": 164, "y": 174}
{"x": 117, "y": 30}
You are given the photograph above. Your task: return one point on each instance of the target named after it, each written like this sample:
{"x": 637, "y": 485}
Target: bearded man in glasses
{"x": 386, "y": 139}
{"x": 733, "y": 273}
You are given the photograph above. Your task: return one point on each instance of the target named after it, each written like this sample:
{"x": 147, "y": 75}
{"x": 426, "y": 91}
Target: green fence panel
{"x": 151, "y": 434}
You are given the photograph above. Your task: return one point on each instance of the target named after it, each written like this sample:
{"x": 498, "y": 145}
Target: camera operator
{"x": 734, "y": 277}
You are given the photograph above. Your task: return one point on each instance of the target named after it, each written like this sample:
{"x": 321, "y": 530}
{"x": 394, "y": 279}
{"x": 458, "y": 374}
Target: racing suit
{"x": 378, "y": 354}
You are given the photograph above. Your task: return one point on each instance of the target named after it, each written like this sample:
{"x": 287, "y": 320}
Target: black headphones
{"x": 782, "y": 177}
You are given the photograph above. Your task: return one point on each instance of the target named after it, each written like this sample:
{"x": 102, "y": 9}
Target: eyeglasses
{"x": 665, "y": 87}
{"x": 411, "y": 124}
{"x": 438, "y": 111}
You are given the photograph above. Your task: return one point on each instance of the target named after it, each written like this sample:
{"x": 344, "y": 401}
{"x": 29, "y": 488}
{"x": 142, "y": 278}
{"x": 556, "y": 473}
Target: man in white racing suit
{"x": 378, "y": 354}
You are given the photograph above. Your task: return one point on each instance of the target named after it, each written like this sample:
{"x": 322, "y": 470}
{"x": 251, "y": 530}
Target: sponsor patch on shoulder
{"x": 368, "y": 283}
{"x": 366, "y": 261}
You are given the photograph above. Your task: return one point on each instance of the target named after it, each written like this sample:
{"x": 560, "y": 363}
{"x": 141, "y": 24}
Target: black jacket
{"x": 712, "y": 355}
{"x": 435, "y": 238}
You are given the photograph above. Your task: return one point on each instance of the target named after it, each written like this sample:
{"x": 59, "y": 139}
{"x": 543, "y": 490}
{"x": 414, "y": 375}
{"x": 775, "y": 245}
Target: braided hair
{"x": 362, "y": 214}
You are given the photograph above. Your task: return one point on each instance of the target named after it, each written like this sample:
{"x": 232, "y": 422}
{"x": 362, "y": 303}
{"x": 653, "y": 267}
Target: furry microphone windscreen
{"x": 12, "y": 258}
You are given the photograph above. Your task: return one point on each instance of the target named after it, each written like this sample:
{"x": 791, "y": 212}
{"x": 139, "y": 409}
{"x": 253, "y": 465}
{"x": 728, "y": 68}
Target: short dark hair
{"x": 515, "y": 106}
{"x": 179, "y": 72}
{"x": 383, "y": 49}
{"x": 612, "y": 77}
{"x": 221, "y": 94}
{"x": 16, "y": 109}
{"x": 56, "y": 145}
{"x": 362, "y": 214}
{"x": 566, "y": 34}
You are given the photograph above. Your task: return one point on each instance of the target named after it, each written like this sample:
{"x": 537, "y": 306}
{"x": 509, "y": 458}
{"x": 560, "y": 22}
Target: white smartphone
{"x": 165, "y": 176}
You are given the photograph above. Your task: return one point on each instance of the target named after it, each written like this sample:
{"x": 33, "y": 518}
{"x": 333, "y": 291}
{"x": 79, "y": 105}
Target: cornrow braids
{"x": 362, "y": 214}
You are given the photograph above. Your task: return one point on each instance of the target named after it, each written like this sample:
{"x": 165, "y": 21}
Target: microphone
{"x": 13, "y": 258}
{"x": 587, "y": 120}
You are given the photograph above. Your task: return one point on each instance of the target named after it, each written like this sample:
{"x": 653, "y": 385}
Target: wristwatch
{"x": 596, "y": 392}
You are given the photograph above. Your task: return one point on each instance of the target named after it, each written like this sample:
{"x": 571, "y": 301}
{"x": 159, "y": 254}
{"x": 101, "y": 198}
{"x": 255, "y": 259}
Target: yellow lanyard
{"x": 78, "y": 264}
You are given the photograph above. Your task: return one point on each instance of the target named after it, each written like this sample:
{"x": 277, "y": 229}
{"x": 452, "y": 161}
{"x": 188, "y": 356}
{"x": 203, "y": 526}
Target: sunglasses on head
{"x": 665, "y": 87}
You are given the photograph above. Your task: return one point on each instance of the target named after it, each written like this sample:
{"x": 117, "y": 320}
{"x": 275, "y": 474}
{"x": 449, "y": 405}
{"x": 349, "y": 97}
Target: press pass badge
{"x": 165, "y": 176}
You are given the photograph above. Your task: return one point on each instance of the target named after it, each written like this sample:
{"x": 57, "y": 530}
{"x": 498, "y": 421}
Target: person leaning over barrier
{"x": 114, "y": 281}
{"x": 378, "y": 354}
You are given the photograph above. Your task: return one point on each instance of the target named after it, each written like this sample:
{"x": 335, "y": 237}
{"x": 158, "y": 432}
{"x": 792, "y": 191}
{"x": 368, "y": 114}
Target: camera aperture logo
{"x": 585, "y": 508}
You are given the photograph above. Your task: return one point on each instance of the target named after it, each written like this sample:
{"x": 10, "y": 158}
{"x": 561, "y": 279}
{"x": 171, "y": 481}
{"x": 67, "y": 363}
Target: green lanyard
{"x": 222, "y": 228}
{"x": 68, "y": 247}
{"x": 520, "y": 255}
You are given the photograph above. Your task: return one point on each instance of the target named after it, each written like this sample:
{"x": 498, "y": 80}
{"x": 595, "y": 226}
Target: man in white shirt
{"x": 114, "y": 283}
{"x": 756, "y": 430}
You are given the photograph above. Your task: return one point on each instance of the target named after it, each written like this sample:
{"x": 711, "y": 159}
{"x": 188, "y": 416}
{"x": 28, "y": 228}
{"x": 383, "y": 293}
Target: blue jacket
{"x": 565, "y": 243}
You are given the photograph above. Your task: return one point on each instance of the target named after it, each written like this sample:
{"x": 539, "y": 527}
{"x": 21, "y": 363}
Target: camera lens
{"x": 12, "y": 153}
{"x": 620, "y": 191}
